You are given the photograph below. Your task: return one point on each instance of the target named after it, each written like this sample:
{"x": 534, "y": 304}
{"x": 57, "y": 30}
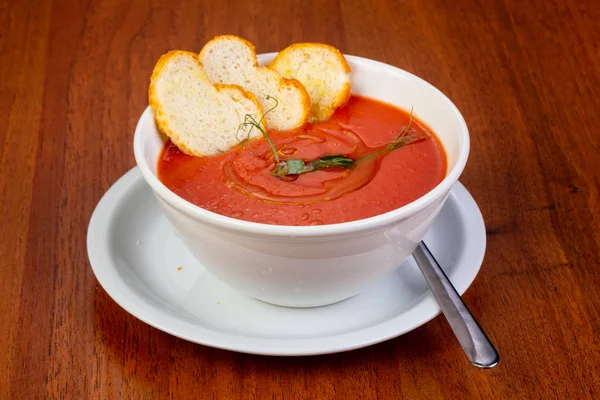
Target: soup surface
{"x": 239, "y": 182}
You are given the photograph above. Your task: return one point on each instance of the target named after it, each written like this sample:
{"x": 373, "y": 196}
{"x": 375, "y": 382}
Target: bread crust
{"x": 230, "y": 37}
{"x": 162, "y": 120}
{"x": 301, "y": 46}
{"x": 306, "y": 104}
{"x": 318, "y": 112}
{"x": 293, "y": 84}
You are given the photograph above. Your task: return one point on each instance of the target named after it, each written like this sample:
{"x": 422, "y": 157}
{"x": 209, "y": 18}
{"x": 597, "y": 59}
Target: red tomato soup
{"x": 239, "y": 183}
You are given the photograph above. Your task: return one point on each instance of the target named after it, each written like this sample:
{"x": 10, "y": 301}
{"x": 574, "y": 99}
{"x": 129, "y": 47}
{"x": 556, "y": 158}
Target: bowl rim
{"x": 223, "y": 222}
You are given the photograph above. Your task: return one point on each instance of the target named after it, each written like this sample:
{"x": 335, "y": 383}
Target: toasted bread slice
{"x": 323, "y": 71}
{"x": 229, "y": 59}
{"x": 200, "y": 118}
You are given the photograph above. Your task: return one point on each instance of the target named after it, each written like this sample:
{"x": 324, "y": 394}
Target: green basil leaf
{"x": 295, "y": 166}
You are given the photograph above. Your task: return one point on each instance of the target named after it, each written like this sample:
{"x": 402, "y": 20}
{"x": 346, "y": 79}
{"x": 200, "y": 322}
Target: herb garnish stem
{"x": 297, "y": 166}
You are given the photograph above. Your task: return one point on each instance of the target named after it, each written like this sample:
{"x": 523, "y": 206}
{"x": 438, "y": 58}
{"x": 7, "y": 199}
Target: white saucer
{"x": 142, "y": 265}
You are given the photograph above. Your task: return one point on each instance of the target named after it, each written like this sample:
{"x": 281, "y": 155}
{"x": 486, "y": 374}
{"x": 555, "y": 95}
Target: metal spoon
{"x": 478, "y": 348}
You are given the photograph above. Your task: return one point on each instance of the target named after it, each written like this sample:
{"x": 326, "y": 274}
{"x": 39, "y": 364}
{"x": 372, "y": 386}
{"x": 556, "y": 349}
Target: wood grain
{"x": 526, "y": 76}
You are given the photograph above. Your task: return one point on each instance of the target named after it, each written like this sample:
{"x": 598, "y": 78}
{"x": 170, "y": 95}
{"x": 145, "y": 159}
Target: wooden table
{"x": 525, "y": 75}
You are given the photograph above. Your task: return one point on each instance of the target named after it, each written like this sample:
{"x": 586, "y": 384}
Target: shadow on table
{"x": 151, "y": 352}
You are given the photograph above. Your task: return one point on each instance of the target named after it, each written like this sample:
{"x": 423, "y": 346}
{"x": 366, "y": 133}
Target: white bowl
{"x": 305, "y": 266}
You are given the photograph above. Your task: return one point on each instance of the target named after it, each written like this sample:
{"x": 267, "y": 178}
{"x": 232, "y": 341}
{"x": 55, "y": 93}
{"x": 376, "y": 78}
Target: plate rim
{"x": 107, "y": 275}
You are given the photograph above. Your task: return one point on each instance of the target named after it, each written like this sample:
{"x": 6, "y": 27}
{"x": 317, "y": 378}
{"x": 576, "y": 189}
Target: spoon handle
{"x": 478, "y": 348}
